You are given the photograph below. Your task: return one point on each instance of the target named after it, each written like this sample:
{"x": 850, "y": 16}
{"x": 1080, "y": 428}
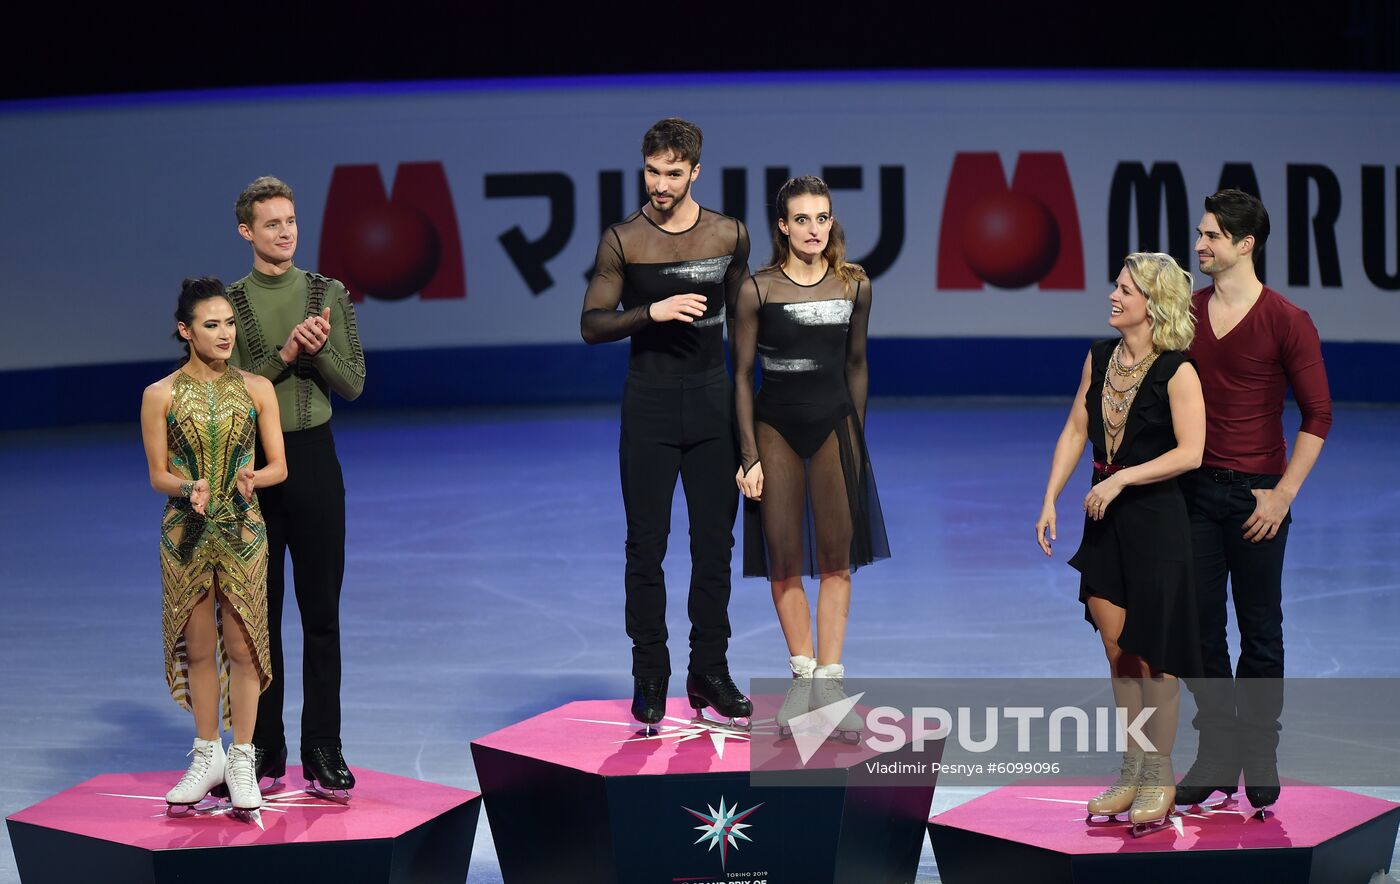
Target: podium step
{"x": 114, "y": 827}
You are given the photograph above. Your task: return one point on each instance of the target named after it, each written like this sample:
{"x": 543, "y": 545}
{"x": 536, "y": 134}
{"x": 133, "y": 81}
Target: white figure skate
{"x": 829, "y": 686}
{"x": 799, "y": 695}
{"x": 205, "y": 775}
{"x": 1155, "y": 801}
{"x": 1118, "y": 798}
{"x": 240, "y": 775}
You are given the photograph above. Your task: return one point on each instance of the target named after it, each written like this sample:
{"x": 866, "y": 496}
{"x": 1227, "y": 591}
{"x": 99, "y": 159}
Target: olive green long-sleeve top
{"x": 267, "y": 309}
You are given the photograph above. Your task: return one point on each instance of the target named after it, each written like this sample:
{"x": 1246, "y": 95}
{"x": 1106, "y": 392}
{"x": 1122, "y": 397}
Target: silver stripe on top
{"x": 709, "y": 320}
{"x": 835, "y": 311}
{"x": 781, "y": 365}
{"x": 702, "y": 270}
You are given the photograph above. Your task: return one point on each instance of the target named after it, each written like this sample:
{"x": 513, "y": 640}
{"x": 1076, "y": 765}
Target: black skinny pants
{"x": 306, "y": 515}
{"x": 1236, "y": 710}
{"x": 678, "y": 424}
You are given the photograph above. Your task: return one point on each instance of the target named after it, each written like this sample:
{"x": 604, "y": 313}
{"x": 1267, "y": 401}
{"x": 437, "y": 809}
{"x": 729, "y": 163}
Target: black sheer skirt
{"x": 820, "y": 512}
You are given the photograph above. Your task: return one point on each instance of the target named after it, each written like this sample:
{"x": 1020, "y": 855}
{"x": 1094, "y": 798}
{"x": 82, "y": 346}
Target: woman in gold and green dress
{"x": 200, "y": 425}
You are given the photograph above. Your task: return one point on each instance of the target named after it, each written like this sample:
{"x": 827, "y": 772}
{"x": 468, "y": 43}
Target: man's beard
{"x": 674, "y": 202}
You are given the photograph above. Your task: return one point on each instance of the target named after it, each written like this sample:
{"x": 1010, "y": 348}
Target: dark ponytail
{"x": 192, "y": 291}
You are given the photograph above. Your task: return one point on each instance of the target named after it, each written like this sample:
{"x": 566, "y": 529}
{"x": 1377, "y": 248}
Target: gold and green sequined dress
{"x": 211, "y": 433}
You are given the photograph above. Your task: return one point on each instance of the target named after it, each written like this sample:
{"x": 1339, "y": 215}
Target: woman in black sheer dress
{"x": 1140, "y": 406}
{"x": 803, "y": 464}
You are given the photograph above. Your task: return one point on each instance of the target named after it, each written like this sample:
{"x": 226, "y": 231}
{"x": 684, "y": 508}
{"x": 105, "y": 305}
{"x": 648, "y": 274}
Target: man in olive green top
{"x": 297, "y": 329}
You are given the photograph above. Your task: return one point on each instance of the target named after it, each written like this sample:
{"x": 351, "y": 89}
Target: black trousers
{"x": 678, "y": 425}
{"x": 306, "y": 516}
{"x": 1237, "y": 710}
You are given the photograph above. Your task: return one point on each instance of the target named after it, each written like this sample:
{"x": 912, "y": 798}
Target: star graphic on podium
{"x": 722, "y": 827}
{"x": 1174, "y": 817}
{"x": 278, "y": 802}
{"x": 689, "y": 729}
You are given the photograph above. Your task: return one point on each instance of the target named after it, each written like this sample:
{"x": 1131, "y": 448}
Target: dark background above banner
{"x": 138, "y": 48}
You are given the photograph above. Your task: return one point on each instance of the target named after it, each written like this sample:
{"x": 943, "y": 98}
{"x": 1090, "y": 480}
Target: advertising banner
{"x": 468, "y": 214}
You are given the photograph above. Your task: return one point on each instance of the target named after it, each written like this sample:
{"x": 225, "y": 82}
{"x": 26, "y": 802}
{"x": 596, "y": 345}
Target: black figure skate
{"x": 1216, "y": 769}
{"x": 719, "y": 692}
{"x": 1261, "y": 786}
{"x": 270, "y": 763}
{"x": 649, "y": 701}
{"x": 327, "y": 774}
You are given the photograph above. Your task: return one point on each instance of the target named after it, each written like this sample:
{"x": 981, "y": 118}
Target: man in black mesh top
{"x": 664, "y": 277}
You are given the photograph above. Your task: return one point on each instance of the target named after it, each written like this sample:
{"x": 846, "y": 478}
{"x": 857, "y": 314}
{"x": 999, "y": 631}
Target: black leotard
{"x": 819, "y": 512}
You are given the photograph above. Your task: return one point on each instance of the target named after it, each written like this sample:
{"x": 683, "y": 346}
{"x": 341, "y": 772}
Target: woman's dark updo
{"x": 193, "y": 291}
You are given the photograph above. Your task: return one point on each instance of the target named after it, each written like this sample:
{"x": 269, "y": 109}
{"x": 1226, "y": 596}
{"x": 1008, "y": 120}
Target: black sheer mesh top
{"x": 810, "y": 341}
{"x": 639, "y": 263}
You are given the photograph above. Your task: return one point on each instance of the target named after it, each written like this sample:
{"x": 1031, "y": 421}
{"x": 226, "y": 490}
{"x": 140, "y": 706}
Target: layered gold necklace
{"x": 1120, "y": 388}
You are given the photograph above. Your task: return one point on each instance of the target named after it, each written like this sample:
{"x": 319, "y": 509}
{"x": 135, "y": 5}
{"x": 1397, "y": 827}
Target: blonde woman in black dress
{"x": 1139, "y": 404}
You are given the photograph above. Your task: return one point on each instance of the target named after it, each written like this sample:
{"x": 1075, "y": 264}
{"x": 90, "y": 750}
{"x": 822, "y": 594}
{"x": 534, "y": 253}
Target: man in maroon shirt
{"x": 1251, "y": 344}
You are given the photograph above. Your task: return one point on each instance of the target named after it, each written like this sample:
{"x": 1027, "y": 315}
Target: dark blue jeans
{"x": 1237, "y": 711}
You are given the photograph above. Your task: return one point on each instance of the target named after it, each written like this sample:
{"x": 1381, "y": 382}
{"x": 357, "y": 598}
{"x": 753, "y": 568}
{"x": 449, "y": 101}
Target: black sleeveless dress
{"x": 820, "y": 512}
{"x": 1138, "y": 556}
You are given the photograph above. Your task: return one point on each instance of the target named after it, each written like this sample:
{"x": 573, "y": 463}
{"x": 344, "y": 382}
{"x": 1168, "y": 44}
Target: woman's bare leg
{"x": 794, "y": 615}
{"x": 244, "y": 680}
{"x": 833, "y": 611}
{"x": 201, "y": 636}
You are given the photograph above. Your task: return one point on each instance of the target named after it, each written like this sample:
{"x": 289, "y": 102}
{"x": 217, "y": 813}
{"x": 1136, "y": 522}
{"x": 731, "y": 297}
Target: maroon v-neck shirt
{"x": 1245, "y": 374}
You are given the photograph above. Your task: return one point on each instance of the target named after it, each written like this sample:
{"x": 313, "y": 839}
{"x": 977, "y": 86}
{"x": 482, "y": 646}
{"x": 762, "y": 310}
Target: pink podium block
{"x": 580, "y": 794}
{"x": 114, "y": 828}
{"x": 1038, "y": 833}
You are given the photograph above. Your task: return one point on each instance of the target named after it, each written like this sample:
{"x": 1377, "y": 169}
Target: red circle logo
{"x": 1010, "y": 240}
{"x": 392, "y": 251}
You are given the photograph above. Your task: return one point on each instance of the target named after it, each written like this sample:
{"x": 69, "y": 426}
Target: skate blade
{"x": 1141, "y": 829}
{"x": 340, "y": 796}
{"x": 203, "y": 807}
{"x": 248, "y": 815}
{"x": 273, "y": 787}
{"x": 648, "y": 730}
{"x": 732, "y": 724}
{"x": 1103, "y": 819}
{"x": 1262, "y": 814}
{"x": 844, "y": 737}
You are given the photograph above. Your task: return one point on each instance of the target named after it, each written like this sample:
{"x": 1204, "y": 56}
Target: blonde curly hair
{"x": 1168, "y": 291}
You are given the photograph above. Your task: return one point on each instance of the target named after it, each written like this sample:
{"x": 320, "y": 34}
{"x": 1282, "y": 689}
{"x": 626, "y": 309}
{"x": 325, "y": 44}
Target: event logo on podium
{"x": 723, "y": 828}
{"x": 392, "y": 245}
{"x": 1010, "y": 237}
